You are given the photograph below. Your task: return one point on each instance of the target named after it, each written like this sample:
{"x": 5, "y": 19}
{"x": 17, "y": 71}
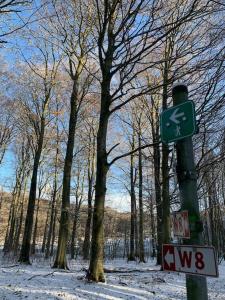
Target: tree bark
{"x": 136, "y": 233}
{"x": 20, "y": 221}
{"x": 96, "y": 272}
{"x": 152, "y": 224}
{"x": 165, "y": 195}
{"x": 74, "y": 230}
{"x": 86, "y": 245}
{"x": 53, "y": 204}
{"x": 158, "y": 204}
{"x": 131, "y": 256}
{"x": 156, "y": 159}
{"x": 53, "y": 231}
{"x": 52, "y": 225}
{"x": 165, "y": 168}
{"x": 35, "y": 228}
{"x": 18, "y": 230}
{"x": 141, "y": 214}
{"x": 61, "y": 261}
{"x": 46, "y": 231}
{"x": 26, "y": 244}
{"x": 10, "y": 226}
{"x": 14, "y": 210}
{"x": 91, "y": 168}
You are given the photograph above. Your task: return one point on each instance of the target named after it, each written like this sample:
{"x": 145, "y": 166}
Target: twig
{"x": 6, "y": 267}
{"x": 46, "y": 275}
{"x": 124, "y": 271}
{"x": 129, "y": 271}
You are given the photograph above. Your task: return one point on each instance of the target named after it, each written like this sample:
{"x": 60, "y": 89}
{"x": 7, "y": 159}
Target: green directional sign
{"x": 178, "y": 122}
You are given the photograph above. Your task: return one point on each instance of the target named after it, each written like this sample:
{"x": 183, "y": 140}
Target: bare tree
{"x": 70, "y": 29}
{"x": 9, "y": 9}
{"x": 23, "y": 166}
{"x": 6, "y": 127}
{"x": 124, "y": 40}
{"x": 35, "y": 112}
{"x": 91, "y": 143}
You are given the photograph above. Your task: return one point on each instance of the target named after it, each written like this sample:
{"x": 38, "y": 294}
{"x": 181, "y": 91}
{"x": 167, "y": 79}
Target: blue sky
{"x": 7, "y": 171}
{"x": 116, "y": 196}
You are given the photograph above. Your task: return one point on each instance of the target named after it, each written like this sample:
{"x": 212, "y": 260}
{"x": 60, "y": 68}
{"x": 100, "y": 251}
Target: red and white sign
{"x": 181, "y": 224}
{"x": 196, "y": 260}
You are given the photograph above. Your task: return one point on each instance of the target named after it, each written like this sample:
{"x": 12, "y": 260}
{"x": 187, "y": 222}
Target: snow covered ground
{"x": 39, "y": 281}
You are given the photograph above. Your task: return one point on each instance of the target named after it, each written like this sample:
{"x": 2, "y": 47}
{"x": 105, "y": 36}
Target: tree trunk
{"x": 152, "y": 225}
{"x": 61, "y": 261}
{"x": 45, "y": 232}
{"x": 20, "y": 222}
{"x": 125, "y": 252}
{"x": 133, "y": 212}
{"x": 156, "y": 158}
{"x": 50, "y": 229}
{"x": 96, "y": 272}
{"x": 53, "y": 231}
{"x": 159, "y": 214}
{"x": 18, "y": 230}
{"x": 13, "y": 214}
{"x": 11, "y": 218}
{"x": 212, "y": 210}
{"x": 136, "y": 228}
{"x": 141, "y": 216}
{"x": 74, "y": 231}
{"x": 91, "y": 167}
{"x": 25, "y": 250}
{"x": 165, "y": 167}
{"x": 35, "y": 228}
{"x": 86, "y": 245}
{"x": 165, "y": 195}
{"x": 52, "y": 217}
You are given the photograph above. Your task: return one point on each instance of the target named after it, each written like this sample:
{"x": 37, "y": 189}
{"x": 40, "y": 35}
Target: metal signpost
{"x": 180, "y": 224}
{"x": 178, "y": 122}
{"x": 195, "y": 260}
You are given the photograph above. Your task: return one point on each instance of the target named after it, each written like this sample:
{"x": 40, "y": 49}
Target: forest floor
{"x": 133, "y": 281}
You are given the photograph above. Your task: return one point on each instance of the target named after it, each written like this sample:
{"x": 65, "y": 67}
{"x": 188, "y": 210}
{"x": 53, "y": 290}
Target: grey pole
{"x": 187, "y": 179}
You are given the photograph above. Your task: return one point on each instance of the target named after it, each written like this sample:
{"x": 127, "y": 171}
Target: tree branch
{"x": 131, "y": 152}
{"x": 112, "y": 149}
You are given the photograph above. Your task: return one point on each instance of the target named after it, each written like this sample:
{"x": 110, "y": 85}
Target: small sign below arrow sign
{"x": 180, "y": 224}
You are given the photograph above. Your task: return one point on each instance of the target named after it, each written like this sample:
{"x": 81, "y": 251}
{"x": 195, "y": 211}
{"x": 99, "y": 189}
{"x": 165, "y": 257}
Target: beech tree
{"x": 9, "y": 9}
{"x": 133, "y": 217}
{"x": 56, "y": 167}
{"x": 6, "y": 126}
{"x": 41, "y": 189}
{"x": 7, "y": 120}
{"x": 70, "y": 28}
{"x": 35, "y": 112}
{"x": 22, "y": 172}
{"x": 90, "y": 127}
{"x": 127, "y": 33}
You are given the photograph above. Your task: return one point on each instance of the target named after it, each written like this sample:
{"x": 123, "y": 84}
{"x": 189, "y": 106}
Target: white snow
{"x": 40, "y": 281}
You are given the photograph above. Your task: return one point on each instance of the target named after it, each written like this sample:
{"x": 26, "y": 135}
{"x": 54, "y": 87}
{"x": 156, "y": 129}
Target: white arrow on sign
{"x": 169, "y": 258}
{"x": 175, "y": 115}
